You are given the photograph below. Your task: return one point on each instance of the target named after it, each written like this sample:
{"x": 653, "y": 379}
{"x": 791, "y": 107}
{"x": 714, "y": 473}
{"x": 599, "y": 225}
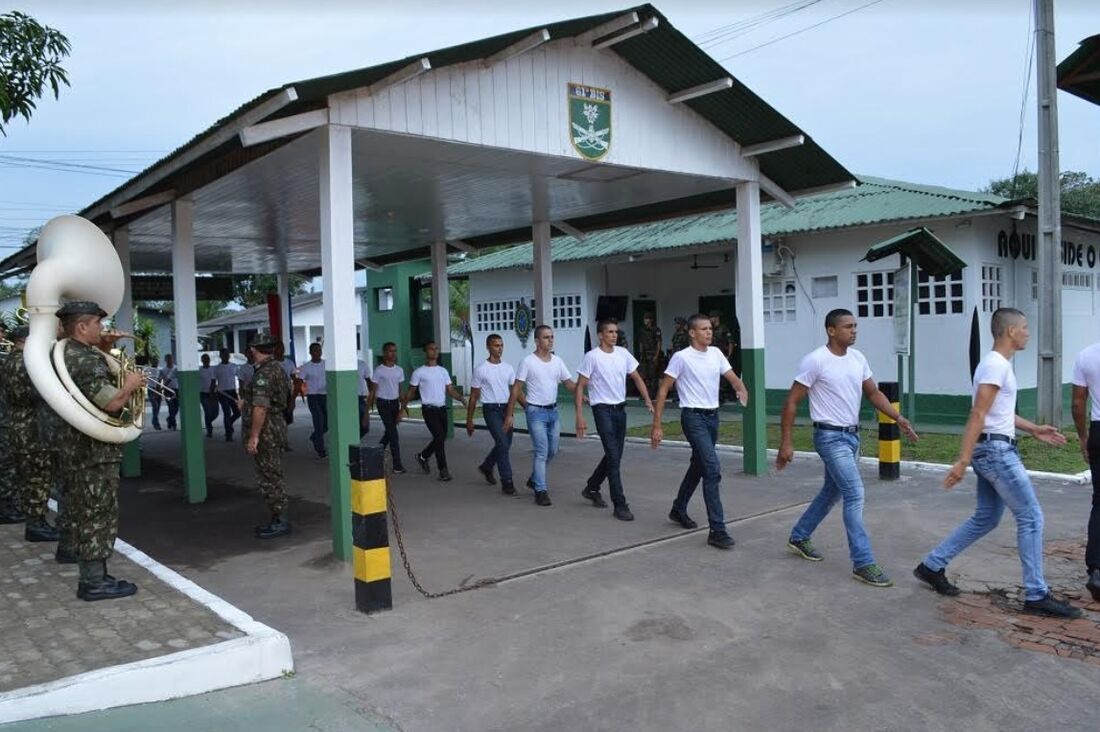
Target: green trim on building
{"x": 343, "y": 431}
{"x": 131, "y": 459}
{"x": 191, "y": 431}
{"x": 754, "y": 416}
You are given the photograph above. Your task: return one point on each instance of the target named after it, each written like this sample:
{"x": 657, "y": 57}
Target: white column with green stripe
{"x": 750, "y": 316}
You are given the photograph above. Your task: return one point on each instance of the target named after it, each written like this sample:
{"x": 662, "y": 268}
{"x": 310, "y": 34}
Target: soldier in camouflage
{"x": 680, "y": 337}
{"x": 33, "y": 466}
{"x": 10, "y": 510}
{"x": 90, "y": 467}
{"x": 649, "y": 352}
{"x": 262, "y": 403}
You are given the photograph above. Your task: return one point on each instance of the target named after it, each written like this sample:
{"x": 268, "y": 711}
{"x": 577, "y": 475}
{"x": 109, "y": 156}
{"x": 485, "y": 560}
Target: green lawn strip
{"x": 932, "y": 448}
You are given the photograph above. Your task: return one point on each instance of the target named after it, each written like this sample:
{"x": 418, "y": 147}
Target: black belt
{"x": 699, "y": 410}
{"x": 996, "y": 437}
{"x": 542, "y": 406}
{"x": 433, "y": 406}
{"x": 852, "y": 430}
{"x": 502, "y": 405}
{"x": 388, "y": 401}
{"x": 620, "y": 405}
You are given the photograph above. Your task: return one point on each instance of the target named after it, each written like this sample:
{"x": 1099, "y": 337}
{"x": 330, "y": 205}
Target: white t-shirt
{"x": 288, "y": 367}
{"x": 495, "y": 381}
{"x": 1086, "y": 372}
{"x": 245, "y": 372}
{"x": 226, "y": 376}
{"x": 542, "y": 378}
{"x": 314, "y": 376}
{"x": 1001, "y": 417}
{"x": 432, "y": 381}
{"x": 388, "y": 379}
{"x": 606, "y": 374}
{"x": 835, "y": 384}
{"x": 206, "y": 378}
{"x": 168, "y": 377}
{"x": 698, "y": 375}
{"x": 364, "y": 377}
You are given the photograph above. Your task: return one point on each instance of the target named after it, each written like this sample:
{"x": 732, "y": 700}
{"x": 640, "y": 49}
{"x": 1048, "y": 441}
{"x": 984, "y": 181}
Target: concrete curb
{"x": 263, "y": 653}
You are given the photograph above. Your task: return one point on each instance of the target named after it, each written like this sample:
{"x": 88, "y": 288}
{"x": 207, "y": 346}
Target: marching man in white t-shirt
{"x": 385, "y": 391}
{"x": 540, "y": 373}
{"x": 989, "y": 446}
{"x": 697, "y": 371}
{"x": 434, "y": 384}
{"x": 605, "y": 370}
{"x": 837, "y": 377}
{"x": 363, "y": 375}
{"x": 492, "y": 383}
{"x": 1086, "y": 386}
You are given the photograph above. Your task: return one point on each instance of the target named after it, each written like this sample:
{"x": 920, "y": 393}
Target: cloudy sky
{"x": 922, "y": 90}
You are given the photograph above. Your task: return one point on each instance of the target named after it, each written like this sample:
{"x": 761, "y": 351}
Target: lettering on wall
{"x": 1023, "y": 246}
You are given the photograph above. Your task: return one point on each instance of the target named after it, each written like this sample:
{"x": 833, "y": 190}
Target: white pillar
{"x": 750, "y": 267}
{"x": 364, "y": 322}
{"x": 337, "y": 248}
{"x": 283, "y": 288}
{"x": 183, "y": 285}
{"x": 124, "y": 318}
{"x": 441, "y": 300}
{"x": 543, "y": 273}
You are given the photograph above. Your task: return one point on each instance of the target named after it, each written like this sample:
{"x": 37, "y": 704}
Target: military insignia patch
{"x": 589, "y": 120}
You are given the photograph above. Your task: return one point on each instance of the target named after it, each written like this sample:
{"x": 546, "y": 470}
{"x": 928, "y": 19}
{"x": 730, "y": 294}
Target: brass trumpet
{"x": 127, "y": 364}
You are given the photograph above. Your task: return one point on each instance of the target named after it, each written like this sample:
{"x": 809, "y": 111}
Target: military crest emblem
{"x": 589, "y": 120}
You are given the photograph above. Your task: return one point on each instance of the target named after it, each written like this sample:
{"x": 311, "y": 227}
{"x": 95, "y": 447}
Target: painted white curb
{"x": 262, "y": 653}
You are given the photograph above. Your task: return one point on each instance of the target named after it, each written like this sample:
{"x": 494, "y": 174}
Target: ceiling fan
{"x": 695, "y": 263}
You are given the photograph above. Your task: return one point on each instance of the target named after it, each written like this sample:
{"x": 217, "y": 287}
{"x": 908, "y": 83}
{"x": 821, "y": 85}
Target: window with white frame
{"x": 494, "y": 315}
{"x": 779, "y": 300}
{"x": 875, "y": 294}
{"x": 1077, "y": 280}
{"x": 992, "y": 287}
{"x": 939, "y": 294}
{"x": 567, "y": 312}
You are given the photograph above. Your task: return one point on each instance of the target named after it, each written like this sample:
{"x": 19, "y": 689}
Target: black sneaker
{"x": 507, "y": 488}
{"x": 936, "y": 580}
{"x": 445, "y": 476}
{"x": 1093, "y": 585}
{"x": 542, "y": 498}
{"x": 720, "y": 539}
{"x": 488, "y": 473}
{"x": 872, "y": 575}
{"x": 278, "y": 527}
{"x": 1052, "y": 607}
{"x": 398, "y": 470}
{"x": 804, "y": 549}
{"x": 531, "y": 484}
{"x": 680, "y": 517}
{"x": 423, "y": 463}
{"x": 622, "y": 512}
{"x": 594, "y": 496}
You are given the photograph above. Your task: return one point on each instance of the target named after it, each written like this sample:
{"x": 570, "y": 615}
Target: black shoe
{"x": 507, "y": 488}
{"x": 109, "y": 589}
{"x": 622, "y": 512}
{"x": 156, "y": 427}
{"x": 542, "y": 498}
{"x": 398, "y": 470}
{"x": 680, "y": 517}
{"x": 39, "y": 530}
{"x": 229, "y": 438}
{"x": 1048, "y": 605}
{"x": 594, "y": 496}
{"x": 210, "y": 433}
{"x": 936, "y": 580}
{"x": 1093, "y": 585}
{"x": 12, "y": 515}
{"x": 720, "y": 539}
{"x": 445, "y": 476}
{"x": 65, "y": 556}
{"x": 488, "y": 473}
{"x": 531, "y": 484}
{"x": 278, "y": 527}
{"x": 423, "y": 463}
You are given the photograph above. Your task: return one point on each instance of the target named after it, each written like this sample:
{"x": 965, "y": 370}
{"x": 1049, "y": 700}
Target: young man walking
{"x": 540, "y": 373}
{"x": 604, "y": 371}
{"x": 493, "y": 380}
{"x": 208, "y": 396}
{"x": 989, "y": 446}
{"x": 1086, "y": 385}
{"x": 313, "y": 373}
{"x": 434, "y": 384}
{"x": 385, "y": 391}
{"x": 837, "y": 377}
{"x": 225, "y": 374}
{"x": 697, "y": 372}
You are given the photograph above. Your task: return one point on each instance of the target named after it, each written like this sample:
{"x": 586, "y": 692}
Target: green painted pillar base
{"x": 343, "y": 431}
{"x": 131, "y": 459}
{"x": 755, "y": 430}
{"x": 191, "y": 431}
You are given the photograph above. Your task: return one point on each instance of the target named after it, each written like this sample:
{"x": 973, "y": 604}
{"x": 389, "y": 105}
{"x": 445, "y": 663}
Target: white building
{"x": 307, "y": 325}
{"x": 812, "y": 261}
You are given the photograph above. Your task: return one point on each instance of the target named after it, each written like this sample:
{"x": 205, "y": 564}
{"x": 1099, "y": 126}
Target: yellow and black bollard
{"x": 369, "y": 530}
{"x": 889, "y": 436}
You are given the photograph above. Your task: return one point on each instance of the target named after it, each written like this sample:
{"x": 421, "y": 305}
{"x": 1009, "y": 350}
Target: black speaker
{"x": 612, "y": 307}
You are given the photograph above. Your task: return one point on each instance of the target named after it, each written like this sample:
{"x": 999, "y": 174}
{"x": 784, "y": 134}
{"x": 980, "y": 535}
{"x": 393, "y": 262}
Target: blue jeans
{"x": 840, "y": 453}
{"x": 701, "y": 430}
{"x": 318, "y": 409}
{"x": 611, "y": 424}
{"x": 502, "y": 442}
{"x": 1002, "y": 481}
{"x": 230, "y": 413}
{"x": 542, "y": 424}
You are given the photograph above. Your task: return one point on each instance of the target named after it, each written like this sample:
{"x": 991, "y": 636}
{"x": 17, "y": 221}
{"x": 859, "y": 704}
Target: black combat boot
{"x": 66, "y": 552}
{"x": 96, "y": 584}
{"x": 39, "y": 530}
{"x": 11, "y": 514}
{"x": 278, "y": 527}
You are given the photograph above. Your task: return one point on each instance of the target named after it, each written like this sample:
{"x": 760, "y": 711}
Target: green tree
{"x": 251, "y": 290}
{"x": 1080, "y": 192}
{"x": 145, "y": 338}
{"x": 30, "y": 60}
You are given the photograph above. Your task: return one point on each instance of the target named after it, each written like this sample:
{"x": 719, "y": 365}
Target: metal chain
{"x": 408, "y": 568}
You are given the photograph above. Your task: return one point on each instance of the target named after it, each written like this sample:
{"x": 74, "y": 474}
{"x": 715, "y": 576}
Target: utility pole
{"x": 1050, "y": 222}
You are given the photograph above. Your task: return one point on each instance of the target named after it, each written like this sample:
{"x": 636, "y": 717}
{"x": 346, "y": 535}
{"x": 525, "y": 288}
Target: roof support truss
{"x": 416, "y": 68}
{"x": 521, "y": 46}
{"x": 569, "y": 229}
{"x": 772, "y": 189}
{"x": 266, "y": 131}
{"x": 781, "y": 143}
{"x": 142, "y": 204}
{"x": 634, "y": 29}
{"x": 703, "y": 89}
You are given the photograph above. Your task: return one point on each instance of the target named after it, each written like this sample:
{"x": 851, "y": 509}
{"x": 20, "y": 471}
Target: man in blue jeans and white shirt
{"x": 989, "y": 446}
{"x": 492, "y": 383}
{"x": 540, "y": 373}
{"x": 605, "y": 370}
{"x": 697, "y": 371}
{"x": 313, "y": 373}
{"x": 837, "y": 377}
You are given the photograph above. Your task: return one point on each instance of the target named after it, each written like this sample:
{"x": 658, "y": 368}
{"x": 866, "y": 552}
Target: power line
{"x": 34, "y": 161}
{"x": 720, "y": 35}
{"x": 1029, "y": 61}
{"x": 800, "y": 30}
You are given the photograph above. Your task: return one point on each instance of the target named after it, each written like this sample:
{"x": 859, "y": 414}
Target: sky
{"x": 927, "y": 91}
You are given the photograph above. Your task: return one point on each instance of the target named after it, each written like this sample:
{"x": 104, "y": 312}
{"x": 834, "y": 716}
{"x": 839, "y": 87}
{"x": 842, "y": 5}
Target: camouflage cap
{"x": 80, "y": 307}
{"x": 262, "y": 339}
{"x": 19, "y": 333}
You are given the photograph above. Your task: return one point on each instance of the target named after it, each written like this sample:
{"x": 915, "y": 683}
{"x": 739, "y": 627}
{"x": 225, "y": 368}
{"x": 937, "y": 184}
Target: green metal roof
{"x": 876, "y": 201}
{"x": 1079, "y": 73}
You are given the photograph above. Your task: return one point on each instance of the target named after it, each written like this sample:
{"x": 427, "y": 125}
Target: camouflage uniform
{"x": 90, "y": 468}
{"x": 649, "y": 347}
{"x": 27, "y": 440}
{"x": 9, "y": 485}
{"x": 269, "y": 388}
{"x": 681, "y": 339}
